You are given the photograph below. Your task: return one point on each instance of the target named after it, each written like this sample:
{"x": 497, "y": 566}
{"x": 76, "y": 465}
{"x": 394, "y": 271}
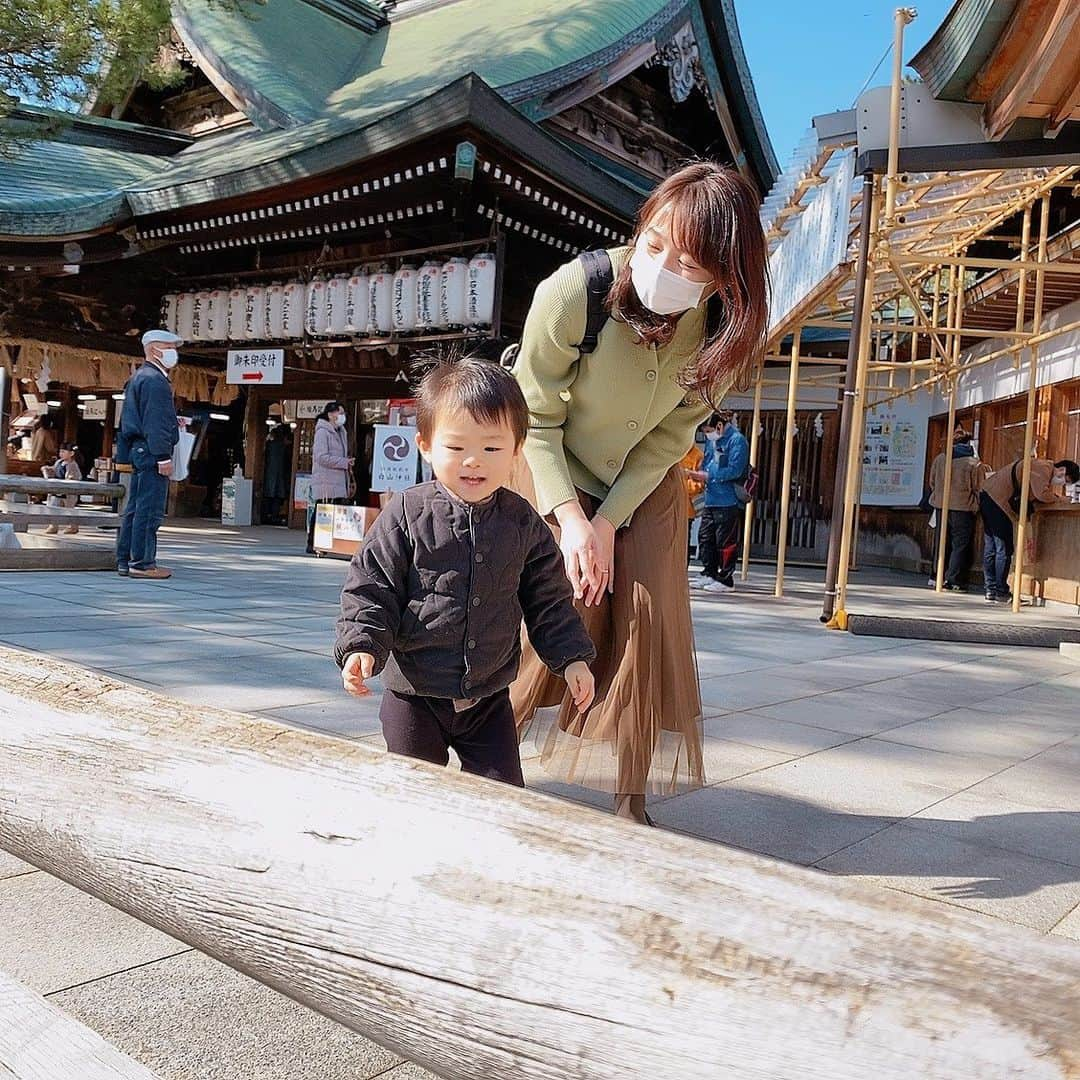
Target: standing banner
{"x": 894, "y": 452}
{"x": 394, "y": 457}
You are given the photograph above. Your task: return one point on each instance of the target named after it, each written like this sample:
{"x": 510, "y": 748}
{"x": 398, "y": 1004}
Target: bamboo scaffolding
{"x": 946, "y": 493}
{"x": 1029, "y": 430}
{"x": 789, "y": 457}
{"x": 1021, "y": 282}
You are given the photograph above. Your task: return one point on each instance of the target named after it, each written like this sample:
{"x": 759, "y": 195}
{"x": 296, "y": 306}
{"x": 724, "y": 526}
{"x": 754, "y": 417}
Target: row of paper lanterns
{"x": 371, "y": 301}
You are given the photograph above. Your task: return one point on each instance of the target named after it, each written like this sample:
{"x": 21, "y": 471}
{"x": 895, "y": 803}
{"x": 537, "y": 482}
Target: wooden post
{"x": 789, "y": 457}
{"x": 1021, "y": 281}
{"x": 755, "y": 437}
{"x": 484, "y": 931}
{"x": 38, "y": 1041}
{"x": 1029, "y": 429}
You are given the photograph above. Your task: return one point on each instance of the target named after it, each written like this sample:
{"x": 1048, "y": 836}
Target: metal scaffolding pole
{"x": 1029, "y": 430}
{"x": 755, "y": 436}
{"x": 847, "y": 401}
{"x": 789, "y": 459}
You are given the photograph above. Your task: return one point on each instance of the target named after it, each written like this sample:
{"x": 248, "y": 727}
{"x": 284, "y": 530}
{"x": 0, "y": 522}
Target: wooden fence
{"x": 487, "y": 932}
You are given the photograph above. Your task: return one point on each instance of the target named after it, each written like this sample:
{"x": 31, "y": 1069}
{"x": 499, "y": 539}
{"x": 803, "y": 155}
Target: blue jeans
{"x": 997, "y": 545}
{"x": 144, "y": 511}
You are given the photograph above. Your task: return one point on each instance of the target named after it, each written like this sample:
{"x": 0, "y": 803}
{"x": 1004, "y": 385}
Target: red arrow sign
{"x": 252, "y": 376}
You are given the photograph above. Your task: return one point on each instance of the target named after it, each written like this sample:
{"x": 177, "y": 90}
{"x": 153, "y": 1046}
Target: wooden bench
{"x": 39, "y": 552}
{"x": 38, "y": 1041}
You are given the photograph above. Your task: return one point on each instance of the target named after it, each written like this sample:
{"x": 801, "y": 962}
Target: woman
{"x": 277, "y": 462}
{"x": 687, "y": 320}
{"x": 331, "y": 466}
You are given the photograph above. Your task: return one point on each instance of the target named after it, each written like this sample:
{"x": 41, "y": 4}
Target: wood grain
{"x": 38, "y": 1041}
{"x": 487, "y": 932}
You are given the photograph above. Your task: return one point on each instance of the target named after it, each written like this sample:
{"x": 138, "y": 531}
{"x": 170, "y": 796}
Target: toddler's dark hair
{"x": 485, "y": 390}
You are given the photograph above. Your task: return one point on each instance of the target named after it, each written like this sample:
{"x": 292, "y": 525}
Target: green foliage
{"x": 59, "y": 53}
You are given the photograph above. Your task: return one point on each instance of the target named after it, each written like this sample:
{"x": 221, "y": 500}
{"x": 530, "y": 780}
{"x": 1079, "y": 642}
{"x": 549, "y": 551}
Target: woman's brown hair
{"x": 714, "y": 218}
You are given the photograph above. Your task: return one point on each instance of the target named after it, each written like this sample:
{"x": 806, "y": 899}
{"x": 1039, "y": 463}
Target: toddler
{"x": 435, "y": 597}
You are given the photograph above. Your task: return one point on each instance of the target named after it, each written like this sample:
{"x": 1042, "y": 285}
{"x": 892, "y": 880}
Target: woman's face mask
{"x": 712, "y": 436}
{"x": 339, "y": 419}
{"x": 658, "y": 288}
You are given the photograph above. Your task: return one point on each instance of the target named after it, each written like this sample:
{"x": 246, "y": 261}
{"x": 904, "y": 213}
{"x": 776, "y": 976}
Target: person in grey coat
{"x": 331, "y": 465}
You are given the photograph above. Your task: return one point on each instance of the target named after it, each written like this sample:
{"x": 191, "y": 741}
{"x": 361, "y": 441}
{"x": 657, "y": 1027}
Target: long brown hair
{"x": 714, "y": 218}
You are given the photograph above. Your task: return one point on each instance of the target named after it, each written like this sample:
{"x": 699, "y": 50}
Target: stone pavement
{"x": 943, "y": 770}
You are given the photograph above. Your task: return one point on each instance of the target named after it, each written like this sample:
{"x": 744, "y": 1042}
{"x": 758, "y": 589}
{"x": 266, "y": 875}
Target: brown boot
{"x": 632, "y": 807}
{"x": 156, "y": 573}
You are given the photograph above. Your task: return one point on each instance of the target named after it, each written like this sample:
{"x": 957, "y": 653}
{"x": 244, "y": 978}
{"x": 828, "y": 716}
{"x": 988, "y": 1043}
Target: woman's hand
{"x": 605, "y": 549}
{"x": 580, "y": 549}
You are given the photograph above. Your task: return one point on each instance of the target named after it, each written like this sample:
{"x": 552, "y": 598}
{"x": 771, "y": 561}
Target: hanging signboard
{"x": 394, "y": 458}
{"x": 894, "y": 452}
{"x": 96, "y": 409}
{"x": 309, "y": 410}
{"x": 816, "y": 245}
{"x": 255, "y": 367}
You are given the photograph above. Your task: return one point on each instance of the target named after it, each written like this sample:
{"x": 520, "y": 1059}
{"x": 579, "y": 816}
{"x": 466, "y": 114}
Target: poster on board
{"x": 394, "y": 457}
{"x": 894, "y": 452}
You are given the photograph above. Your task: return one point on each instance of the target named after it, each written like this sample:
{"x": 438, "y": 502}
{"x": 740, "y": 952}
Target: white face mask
{"x": 169, "y": 359}
{"x": 339, "y": 420}
{"x": 712, "y": 436}
{"x": 658, "y": 288}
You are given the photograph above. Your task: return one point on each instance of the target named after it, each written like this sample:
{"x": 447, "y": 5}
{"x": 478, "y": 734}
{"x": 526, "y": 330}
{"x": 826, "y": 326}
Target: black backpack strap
{"x": 599, "y": 277}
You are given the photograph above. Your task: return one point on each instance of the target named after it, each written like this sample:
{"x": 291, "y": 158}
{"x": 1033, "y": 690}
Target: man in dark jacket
{"x": 148, "y": 433}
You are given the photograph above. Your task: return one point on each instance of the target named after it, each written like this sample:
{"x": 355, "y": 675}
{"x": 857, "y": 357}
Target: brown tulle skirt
{"x": 643, "y": 733}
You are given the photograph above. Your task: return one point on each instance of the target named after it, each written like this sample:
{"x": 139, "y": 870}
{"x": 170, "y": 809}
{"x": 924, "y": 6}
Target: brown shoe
{"x": 72, "y": 529}
{"x": 51, "y": 530}
{"x": 158, "y": 573}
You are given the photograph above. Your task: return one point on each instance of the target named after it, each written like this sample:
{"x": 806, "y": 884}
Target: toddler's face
{"x": 470, "y": 458}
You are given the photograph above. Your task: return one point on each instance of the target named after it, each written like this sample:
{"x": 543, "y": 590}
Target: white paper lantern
{"x": 338, "y": 304}
{"x": 275, "y": 310}
{"x": 358, "y": 302}
{"x": 453, "y": 292}
{"x": 381, "y": 314}
{"x": 428, "y": 286}
{"x": 293, "y": 308}
{"x": 403, "y": 299}
{"x": 217, "y": 315}
{"x": 200, "y": 311}
{"x": 237, "y": 296}
{"x": 255, "y": 313}
{"x": 168, "y": 312}
{"x": 316, "y": 308}
{"x": 481, "y": 295}
{"x": 185, "y": 307}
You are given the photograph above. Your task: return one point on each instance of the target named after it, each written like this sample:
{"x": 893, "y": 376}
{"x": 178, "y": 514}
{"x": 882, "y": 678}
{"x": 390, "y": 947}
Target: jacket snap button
{"x": 479, "y": 557}
{"x": 476, "y": 601}
{"x": 467, "y": 684}
{"x": 632, "y": 425}
{"x": 472, "y": 643}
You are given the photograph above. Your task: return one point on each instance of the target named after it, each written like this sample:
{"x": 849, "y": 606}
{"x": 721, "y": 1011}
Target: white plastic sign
{"x": 255, "y": 367}
{"x": 394, "y": 459}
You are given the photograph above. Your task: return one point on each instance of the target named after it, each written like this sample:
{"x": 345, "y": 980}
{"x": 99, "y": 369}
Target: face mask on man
{"x": 169, "y": 358}
{"x": 660, "y": 290}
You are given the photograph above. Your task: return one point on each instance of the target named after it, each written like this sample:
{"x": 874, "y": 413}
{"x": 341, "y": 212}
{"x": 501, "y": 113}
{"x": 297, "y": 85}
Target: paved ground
{"x": 947, "y": 771}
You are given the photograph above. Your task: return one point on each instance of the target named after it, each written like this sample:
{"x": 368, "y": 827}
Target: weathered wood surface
{"x": 37, "y": 514}
{"x": 38, "y": 1041}
{"x": 485, "y": 932}
{"x": 40, "y": 485}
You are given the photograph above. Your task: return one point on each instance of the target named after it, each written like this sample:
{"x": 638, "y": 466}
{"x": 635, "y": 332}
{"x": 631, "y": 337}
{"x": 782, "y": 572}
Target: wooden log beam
{"x": 39, "y": 485}
{"x": 38, "y": 1041}
{"x": 483, "y": 931}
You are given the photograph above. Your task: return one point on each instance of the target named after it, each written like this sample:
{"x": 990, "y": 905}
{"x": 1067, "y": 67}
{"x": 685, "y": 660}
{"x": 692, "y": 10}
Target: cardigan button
{"x": 651, "y": 376}
{"x": 632, "y": 425}
{"x": 612, "y": 464}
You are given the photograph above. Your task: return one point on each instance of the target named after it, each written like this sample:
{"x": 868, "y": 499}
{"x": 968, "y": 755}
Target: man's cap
{"x": 161, "y": 337}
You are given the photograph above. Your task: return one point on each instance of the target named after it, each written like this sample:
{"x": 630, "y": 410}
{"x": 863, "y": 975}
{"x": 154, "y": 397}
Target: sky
{"x": 813, "y": 56}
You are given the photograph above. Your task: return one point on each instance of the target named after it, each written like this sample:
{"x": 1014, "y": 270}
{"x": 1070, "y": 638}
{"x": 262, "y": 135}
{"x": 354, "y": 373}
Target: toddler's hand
{"x": 579, "y": 679}
{"x": 358, "y": 668}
